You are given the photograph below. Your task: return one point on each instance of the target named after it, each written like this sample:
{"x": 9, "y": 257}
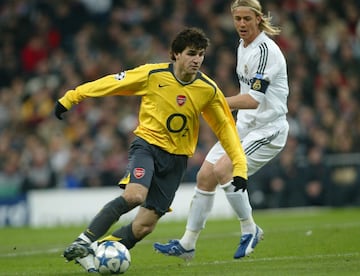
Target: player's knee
{"x": 141, "y": 230}
{"x": 134, "y": 199}
{"x": 223, "y": 175}
{"x": 205, "y": 180}
{"x": 135, "y": 195}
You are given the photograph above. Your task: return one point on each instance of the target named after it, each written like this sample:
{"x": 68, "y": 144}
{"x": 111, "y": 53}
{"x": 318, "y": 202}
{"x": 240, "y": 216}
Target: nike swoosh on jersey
{"x": 163, "y": 85}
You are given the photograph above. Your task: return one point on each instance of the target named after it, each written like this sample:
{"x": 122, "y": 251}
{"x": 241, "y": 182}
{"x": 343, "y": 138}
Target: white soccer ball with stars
{"x": 112, "y": 257}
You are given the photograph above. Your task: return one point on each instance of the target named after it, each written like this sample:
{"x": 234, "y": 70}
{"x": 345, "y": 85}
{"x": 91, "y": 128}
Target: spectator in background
{"x": 11, "y": 178}
{"x": 285, "y": 177}
{"x": 315, "y": 177}
{"x": 36, "y": 165}
{"x": 33, "y": 53}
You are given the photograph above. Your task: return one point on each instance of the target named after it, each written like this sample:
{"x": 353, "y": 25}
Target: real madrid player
{"x": 261, "y": 124}
{"x": 173, "y": 96}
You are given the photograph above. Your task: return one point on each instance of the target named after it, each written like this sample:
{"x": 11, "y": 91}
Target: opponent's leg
{"x": 251, "y": 234}
{"x": 239, "y": 201}
{"x": 260, "y": 147}
{"x": 200, "y": 207}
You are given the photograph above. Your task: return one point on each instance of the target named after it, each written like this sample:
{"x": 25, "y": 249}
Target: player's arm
{"x": 258, "y": 87}
{"x": 220, "y": 119}
{"x": 242, "y": 101}
{"x": 132, "y": 82}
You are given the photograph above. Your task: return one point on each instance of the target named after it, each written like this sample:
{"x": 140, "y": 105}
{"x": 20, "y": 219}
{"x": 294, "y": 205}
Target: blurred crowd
{"x": 48, "y": 47}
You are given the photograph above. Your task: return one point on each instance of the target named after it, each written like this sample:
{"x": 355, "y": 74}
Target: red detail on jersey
{"x": 139, "y": 172}
{"x": 181, "y": 99}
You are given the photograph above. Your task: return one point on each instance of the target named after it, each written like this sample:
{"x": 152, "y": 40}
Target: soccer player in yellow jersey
{"x": 173, "y": 96}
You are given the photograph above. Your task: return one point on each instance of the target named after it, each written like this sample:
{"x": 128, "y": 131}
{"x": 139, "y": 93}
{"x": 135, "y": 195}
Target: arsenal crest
{"x": 139, "y": 172}
{"x": 181, "y": 99}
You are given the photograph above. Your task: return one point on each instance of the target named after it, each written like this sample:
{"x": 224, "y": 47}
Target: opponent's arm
{"x": 242, "y": 101}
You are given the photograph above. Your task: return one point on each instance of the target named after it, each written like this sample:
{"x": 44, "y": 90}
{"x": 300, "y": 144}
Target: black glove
{"x": 59, "y": 110}
{"x": 239, "y": 183}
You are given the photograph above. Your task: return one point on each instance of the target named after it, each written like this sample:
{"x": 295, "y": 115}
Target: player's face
{"x": 188, "y": 63}
{"x": 246, "y": 24}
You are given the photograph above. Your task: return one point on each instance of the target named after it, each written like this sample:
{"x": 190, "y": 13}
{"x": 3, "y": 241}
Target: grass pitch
{"x": 297, "y": 242}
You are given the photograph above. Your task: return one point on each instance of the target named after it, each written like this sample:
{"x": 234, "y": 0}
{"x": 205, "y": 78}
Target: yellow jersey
{"x": 170, "y": 110}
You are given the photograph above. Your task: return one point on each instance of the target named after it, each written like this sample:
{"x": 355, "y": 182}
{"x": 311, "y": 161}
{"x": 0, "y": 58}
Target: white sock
{"x": 85, "y": 238}
{"x": 240, "y": 203}
{"x": 189, "y": 239}
{"x": 200, "y": 207}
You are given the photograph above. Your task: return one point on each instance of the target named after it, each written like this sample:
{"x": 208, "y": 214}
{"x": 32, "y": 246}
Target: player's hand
{"x": 59, "y": 110}
{"x": 239, "y": 183}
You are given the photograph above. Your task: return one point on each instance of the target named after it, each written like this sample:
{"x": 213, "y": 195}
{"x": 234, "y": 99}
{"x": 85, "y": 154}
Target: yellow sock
{"x": 109, "y": 238}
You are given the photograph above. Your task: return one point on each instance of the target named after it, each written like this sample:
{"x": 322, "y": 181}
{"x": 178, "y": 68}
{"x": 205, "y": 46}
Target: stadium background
{"x": 47, "y": 47}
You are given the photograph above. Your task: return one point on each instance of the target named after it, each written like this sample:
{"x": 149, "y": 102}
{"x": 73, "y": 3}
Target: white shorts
{"x": 260, "y": 145}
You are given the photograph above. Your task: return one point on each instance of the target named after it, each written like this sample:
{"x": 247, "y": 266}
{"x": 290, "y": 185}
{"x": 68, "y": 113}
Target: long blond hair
{"x": 265, "y": 23}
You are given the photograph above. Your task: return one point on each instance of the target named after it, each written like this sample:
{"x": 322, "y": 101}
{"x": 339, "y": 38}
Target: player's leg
{"x": 200, "y": 207}
{"x": 142, "y": 225}
{"x": 82, "y": 249}
{"x": 133, "y": 196}
{"x": 139, "y": 175}
{"x": 168, "y": 171}
{"x": 240, "y": 203}
{"x": 260, "y": 147}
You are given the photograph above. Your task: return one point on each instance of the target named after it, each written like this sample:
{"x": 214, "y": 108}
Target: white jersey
{"x": 262, "y": 72}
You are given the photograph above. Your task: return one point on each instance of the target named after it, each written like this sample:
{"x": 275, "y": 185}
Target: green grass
{"x": 297, "y": 242}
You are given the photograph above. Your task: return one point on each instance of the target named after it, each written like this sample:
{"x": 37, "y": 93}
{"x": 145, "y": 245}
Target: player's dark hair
{"x": 189, "y": 37}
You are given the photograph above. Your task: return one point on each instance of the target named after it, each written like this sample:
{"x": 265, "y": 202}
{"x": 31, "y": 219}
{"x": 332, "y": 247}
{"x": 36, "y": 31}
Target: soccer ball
{"x": 112, "y": 257}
